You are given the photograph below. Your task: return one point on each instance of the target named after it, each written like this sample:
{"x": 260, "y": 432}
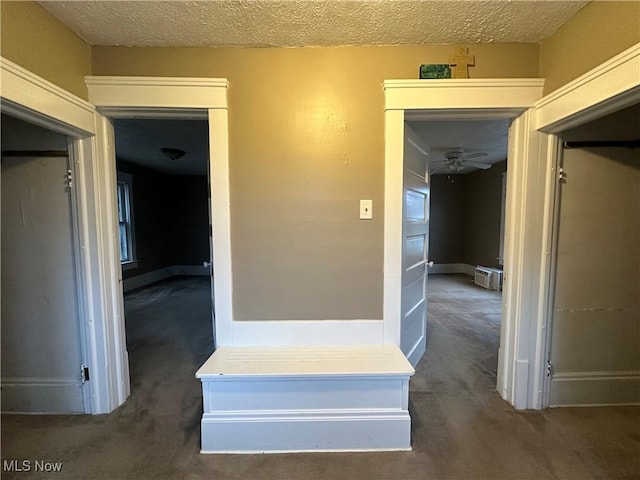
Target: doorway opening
{"x": 467, "y": 173}
{"x": 43, "y": 347}
{"x": 594, "y": 334}
{"x": 162, "y": 191}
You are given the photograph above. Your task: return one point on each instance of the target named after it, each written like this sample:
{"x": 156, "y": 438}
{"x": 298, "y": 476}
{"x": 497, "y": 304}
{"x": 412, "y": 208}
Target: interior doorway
{"x": 467, "y": 167}
{"x": 162, "y": 190}
{"x": 594, "y": 335}
{"x": 44, "y": 365}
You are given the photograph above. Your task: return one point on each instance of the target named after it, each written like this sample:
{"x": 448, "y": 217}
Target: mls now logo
{"x": 28, "y": 466}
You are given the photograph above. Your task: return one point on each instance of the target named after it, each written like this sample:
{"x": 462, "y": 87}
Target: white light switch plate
{"x": 366, "y": 209}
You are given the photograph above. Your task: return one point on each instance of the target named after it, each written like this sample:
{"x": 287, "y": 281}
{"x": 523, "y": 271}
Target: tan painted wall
{"x": 306, "y": 143}
{"x": 596, "y": 33}
{"x": 35, "y": 40}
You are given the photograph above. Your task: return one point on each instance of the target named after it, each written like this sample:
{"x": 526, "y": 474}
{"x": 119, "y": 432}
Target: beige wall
{"x": 596, "y": 33}
{"x": 35, "y": 40}
{"x": 306, "y": 143}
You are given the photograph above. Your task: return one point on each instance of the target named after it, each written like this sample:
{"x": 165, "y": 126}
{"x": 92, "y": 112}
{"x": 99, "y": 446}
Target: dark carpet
{"x": 461, "y": 428}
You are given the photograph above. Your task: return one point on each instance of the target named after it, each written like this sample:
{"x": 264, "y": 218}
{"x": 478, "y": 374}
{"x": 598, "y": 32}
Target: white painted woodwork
{"x": 457, "y": 96}
{"x": 157, "y": 92}
{"x": 607, "y": 88}
{"x": 415, "y": 246}
{"x": 464, "y": 100}
{"x": 270, "y": 399}
{"x": 32, "y": 98}
{"x": 157, "y": 97}
{"x": 41, "y": 337}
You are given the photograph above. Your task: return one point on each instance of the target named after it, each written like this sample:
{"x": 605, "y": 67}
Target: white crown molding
{"x": 157, "y": 92}
{"x": 603, "y": 90}
{"x": 24, "y": 91}
{"x": 512, "y": 93}
{"x": 158, "y": 81}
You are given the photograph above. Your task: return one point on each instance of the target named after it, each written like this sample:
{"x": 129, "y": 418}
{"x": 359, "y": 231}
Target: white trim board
{"x": 468, "y": 99}
{"x": 610, "y": 86}
{"x": 33, "y": 99}
{"x": 29, "y": 97}
{"x": 159, "y": 97}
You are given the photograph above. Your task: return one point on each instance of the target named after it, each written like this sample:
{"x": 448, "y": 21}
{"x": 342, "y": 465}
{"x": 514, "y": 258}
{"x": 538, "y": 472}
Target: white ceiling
{"x": 293, "y": 23}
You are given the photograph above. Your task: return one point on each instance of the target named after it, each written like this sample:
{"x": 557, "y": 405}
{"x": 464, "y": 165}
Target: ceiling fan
{"x": 456, "y": 160}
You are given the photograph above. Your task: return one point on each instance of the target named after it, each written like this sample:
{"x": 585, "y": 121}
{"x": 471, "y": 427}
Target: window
{"x": 125, "y": 220}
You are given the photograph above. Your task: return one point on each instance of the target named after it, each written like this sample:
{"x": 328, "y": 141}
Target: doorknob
{"x": 206, "y": 264}
{"x": 430, "y": 264}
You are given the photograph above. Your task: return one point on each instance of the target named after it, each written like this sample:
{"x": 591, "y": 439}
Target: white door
{"x": 41, "y": 346}
{"x": 415, "y": 246}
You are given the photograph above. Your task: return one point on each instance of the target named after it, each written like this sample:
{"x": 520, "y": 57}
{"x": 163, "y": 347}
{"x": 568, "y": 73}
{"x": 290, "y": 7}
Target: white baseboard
{"x": 148, "y": 278}
{"x": 305, "y": 431}
{"x": 42, "y": 396}
{"x": 595, "y": 388}
{"x": 452, "y": 268}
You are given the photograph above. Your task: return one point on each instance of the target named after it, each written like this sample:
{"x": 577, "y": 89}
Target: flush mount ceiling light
{"x": 172, "y": 153}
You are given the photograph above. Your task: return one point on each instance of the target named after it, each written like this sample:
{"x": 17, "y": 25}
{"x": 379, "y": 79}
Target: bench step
{"x": 286, "y": 399}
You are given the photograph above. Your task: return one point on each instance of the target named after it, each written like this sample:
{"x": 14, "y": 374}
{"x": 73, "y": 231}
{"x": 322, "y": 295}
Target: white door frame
{"x": 35, "y": 100}
{"x": 475, "y": 99}
{"x": 170, "y": 98}
{"x": 614, "y": 85}
{"x": 609, "y": 87}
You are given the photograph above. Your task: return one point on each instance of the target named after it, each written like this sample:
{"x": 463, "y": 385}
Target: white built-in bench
{"x": 283, "y": 399}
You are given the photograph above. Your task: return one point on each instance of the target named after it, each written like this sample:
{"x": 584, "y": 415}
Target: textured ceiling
{"x": 140, "y": 141}
{"x": 292, "y": 23}
{"x": 486, "y": 136}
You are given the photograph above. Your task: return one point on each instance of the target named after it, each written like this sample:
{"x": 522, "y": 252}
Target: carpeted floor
{"x": 461, "y": 428}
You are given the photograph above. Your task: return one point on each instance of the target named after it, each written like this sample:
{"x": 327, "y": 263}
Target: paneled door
{"x": 415, "y": 246}
{"x": 41, "y": 338}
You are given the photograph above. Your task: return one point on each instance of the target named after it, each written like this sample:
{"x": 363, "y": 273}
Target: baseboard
{"x": 440, "y": 268}
{"x": 595, "y": 388}
{"x": 149, "y": 278}
{"x": 305, "y": 431}
{"x": 145, "y": 279}
{"x": 189, "y": 270}
{"x": 42, "y": 396}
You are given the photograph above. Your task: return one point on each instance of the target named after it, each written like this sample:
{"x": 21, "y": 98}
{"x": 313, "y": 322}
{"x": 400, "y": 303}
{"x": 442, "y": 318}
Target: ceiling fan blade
{"x": 482, "y": 166}
{"x": 473, "y": 155}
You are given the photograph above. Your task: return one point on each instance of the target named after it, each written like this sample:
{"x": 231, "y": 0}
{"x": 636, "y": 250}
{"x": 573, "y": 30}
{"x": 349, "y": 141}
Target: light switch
{"x": 366, "y": 209}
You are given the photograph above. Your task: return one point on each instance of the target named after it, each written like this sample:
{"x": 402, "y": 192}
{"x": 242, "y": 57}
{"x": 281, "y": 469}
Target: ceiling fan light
{"x": 172, "y": 153}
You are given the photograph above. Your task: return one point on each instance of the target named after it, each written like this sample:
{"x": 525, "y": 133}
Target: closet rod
{"x": 603, "y": 143}
{"x": 35, "y": 153}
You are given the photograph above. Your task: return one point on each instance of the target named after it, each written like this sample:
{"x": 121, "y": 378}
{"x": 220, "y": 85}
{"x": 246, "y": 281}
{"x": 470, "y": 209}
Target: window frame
{"x": 126, "y": 179}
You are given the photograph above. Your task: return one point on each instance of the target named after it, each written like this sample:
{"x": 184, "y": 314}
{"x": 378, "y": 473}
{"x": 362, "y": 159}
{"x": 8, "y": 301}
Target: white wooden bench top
{"x": 375, "y": 360}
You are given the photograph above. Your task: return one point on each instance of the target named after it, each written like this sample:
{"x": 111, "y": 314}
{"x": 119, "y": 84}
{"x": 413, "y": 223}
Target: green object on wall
{"x": 435, "y": 70}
